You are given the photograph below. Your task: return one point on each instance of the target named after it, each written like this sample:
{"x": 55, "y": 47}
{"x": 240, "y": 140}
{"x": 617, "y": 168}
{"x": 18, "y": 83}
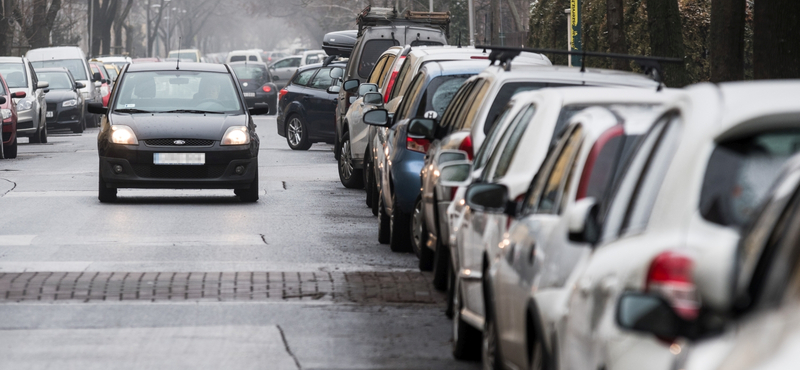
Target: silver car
{"x": 31, "y": 109}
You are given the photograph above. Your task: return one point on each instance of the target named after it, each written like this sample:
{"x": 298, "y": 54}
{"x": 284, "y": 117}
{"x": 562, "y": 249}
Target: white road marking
{"x": 9, "y": 240}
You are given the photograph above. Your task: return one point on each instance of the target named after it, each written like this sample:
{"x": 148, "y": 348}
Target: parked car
{"x": 145, "y": 60}
{"x": 185, "y": 54}
{"x": 74, "y": 60}
{"x": 31, "y": 109}
{"x": 105, "y": 80}
{"x": 272, "y": 56}
{"x": 312, "y": 57}
{"x": 283, "y": 69}
{"x": 307, "y": 105}
{"x": 430, "y": 92}
{"x": 65, "y": 104}
{"x": 157, "y": 138}
{"x": 673, "y": 225}
{"x": 8, "y": 117}
{"x": 252, "y": 55}
{"x": 256, "y": 83}
{"x": 113, "y": 72}
{"x": 118, "y": 60}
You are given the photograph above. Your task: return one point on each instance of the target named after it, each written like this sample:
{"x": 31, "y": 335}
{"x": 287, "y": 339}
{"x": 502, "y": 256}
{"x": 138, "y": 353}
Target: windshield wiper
{"x": 131, "y": 110}
{"x": 193, "y": 111}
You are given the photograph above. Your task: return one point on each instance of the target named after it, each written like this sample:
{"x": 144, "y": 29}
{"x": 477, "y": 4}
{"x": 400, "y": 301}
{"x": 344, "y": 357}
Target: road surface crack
{"x": 14, "y": 186}
{"x": 288, "y": 350}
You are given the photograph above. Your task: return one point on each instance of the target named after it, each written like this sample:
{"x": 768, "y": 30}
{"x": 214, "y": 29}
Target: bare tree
{"x": 666, "y": 38}
{"x": 615, "y": 23}
{"x": 726, "y": 46}
{"x": 119, "y": 23}
{"x": 36, "y": 21}
{"x": 776, "y": 39}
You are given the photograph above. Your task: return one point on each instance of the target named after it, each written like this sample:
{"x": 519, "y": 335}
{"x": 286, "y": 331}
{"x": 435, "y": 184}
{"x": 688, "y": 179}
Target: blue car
{"x": 400, "y": 155}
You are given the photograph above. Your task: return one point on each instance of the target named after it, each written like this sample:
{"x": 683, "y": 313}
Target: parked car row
{"x": 577, "y": 218}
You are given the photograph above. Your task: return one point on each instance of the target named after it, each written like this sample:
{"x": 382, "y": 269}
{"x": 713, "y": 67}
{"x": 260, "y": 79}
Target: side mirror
{"x": 42, "y": 85}
{"x": 97, "y": 76}
{"x": 334, "y": 89}
{"x": 377, "y": 117}
{"x": 350, "y": 86}
{"x": 490, "y": 198}
{"x": 421, "y": 128}
{"x": 451, "y": 155}
{"x": 455, "y": 174}
{"x": 19, "y": 94}
{"x": 2, "y": 99}
{"x": 97, "y": 108}
{"x": 336, "y": 73}
{"x": 259, "y": 109}
{"x": 367, "y": 88}
{"x": 582, "y": 221}
{"x": 652, "y": 314}
{"x": 80, "y": 85}
{"x": 373, "y": 98}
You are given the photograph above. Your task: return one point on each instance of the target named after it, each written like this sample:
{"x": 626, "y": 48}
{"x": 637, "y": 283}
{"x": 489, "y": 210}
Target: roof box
{"x": 374, "y": 16}
{"x": 339, "y": 43}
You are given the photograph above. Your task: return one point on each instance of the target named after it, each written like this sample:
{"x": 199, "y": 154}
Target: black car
{"x": 64, "y": 100}
{"x": 185, "y": 128}
{"x": 256, "y": 82}
{"x": 308, "y": 106}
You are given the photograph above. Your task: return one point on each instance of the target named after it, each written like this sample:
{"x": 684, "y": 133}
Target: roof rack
{"x": 650, "y": 65}
{"x": 375, "y": 16}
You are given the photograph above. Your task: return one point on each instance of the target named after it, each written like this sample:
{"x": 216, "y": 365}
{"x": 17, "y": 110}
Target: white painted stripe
{"x": 8, "y": 240}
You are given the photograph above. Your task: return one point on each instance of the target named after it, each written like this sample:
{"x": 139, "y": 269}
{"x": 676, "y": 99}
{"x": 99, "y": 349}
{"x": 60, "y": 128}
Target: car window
{"x": 294, "y": 62}
{"x": 237, "y": 58}
{"x": 112, "y": 73}
{"x": 57, "y": 80}
{"x": 406, "y": 106}
{"x": 282, "y": 63}
{"x": 401, "y": 76}
{"x": 322, "y": 80}
{"x": 739, "y": 173}
{"x": 252, "y": 58}
{"x": 303, "y": 77}
{"x": 251, "y": 73}
{"x": 504, "y": 96}
{"x": 33, "y": 75}
{"x": 471, "y": 106}
{"x": 439, "y": 93}
{"x": 550, "y": 188}
{"x": 164, "y": 91}
{"x": 14, "y": 73}
{"x": 371, "y": 51}
{"x": 447, "y": 121}
{"x": 377, "y": 72}
{"x": 509, "y": 143}
{"x": 311, "y": 59}
{"x": 75, "y": 66}
{"x": 483, "y": 153}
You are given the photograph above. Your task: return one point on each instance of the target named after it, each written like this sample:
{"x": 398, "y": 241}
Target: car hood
{"x": 57, "y": 96}
{"x": 178, "y": 125}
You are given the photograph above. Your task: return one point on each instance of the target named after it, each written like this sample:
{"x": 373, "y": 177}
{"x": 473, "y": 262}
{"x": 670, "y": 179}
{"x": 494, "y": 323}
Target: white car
{"x": 674, "y": 221}
{"x": 251, "y": 55}
{"x": 514, "y": 162}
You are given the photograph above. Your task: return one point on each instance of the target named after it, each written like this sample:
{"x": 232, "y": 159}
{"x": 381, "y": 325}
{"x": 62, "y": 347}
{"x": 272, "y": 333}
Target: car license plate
{"x": 49, "y": 114}
{"x": 249, "y": 95}
{"x": 193, "y": 159}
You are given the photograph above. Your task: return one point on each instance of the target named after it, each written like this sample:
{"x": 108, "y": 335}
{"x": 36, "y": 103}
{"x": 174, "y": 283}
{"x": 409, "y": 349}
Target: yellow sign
{"x": 573, "y": 14}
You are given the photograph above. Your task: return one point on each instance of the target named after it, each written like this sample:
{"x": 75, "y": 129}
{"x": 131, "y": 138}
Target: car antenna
{"x": 178, "y": 62}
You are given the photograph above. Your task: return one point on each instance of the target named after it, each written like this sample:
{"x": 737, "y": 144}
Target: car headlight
{"x": 6, "y": 113}
{"x": 236, "y": 135}
{"x": 70, "y": 103}
{"x": 24, "y": 104}
{"x": 121, "y": 134}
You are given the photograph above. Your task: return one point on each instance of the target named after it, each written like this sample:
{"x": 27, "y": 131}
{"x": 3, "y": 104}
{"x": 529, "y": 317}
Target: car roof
{"x": 184, "y": 66}
{"x": 246, "y": 63}
{"x": 319, "y": 65}
{"x": 52, "y": 69}
{"x": 455, "y": 67}
{"x": 56, "y": 52}
{"x": 570, "y": 74}
{"x": 11, "y": 59}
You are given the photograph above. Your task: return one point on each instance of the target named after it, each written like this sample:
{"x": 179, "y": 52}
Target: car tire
{"x": 10, "y": 150}
{"x": 490, "y": 354}
{"x": 399, "y": 240}
{"x": 43, "y": 135}
{"x": 383, "y": 222}
{"x": 466, "y": 339}
{"x": 297, "y": 133}
{"x": 79, "y": 127}
{"x": 418, "y": 231}
{"x": 350, "y": 177}
{"x": 104, "y": 193}
{"x": 249, "y": 195}
{"x": 368, "y": 180}
{"x": 451, "y": 283}
{"x": 441, "y": 261}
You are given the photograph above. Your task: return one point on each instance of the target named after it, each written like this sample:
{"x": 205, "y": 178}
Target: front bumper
{"x": 269, "y": 98}
{"x": 139, "y": 171}
{"x": 25, "y": 124}
{"x": 63, "y": 117}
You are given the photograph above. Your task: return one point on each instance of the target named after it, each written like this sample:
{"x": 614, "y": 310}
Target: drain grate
{"x": 344, "y": 287}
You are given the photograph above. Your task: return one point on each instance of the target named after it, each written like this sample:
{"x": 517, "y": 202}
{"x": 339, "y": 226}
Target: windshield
{"x": 164, "y": 91}
{"x": 112, "y": 73}
{"x": 75, "y": 66}
{"x": 251, "y": 73}
{"x": 14, "y": 73}
{"x": 57, "y": 80}
{"x": 183, "y": 55}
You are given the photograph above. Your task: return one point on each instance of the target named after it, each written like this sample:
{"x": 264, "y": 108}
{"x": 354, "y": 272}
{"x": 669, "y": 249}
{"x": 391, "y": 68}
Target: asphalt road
{"x": 194, "y": 279}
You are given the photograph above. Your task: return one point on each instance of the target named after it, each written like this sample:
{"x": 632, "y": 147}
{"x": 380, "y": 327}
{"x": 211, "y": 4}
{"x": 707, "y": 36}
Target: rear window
{"x": 302, "y": 78}
{"x": 14, "y": 73}
{"x": 740, "y": 172}
{"x": 75, "y": 66}
{"x": 440, "y": 92}
{"x": 238, "y": 58}
{"x": 371, "y": 52}
{"x": 254, "y": 73}
{"x": 504, "y": 96}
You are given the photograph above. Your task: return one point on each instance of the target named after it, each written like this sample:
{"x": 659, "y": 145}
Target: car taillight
{"x": 417, "y": 145}
{"x": 670, "y": 275}
{"x": 266, "y": 88}
{"x": 391, "y": 81}
{"x": 588, "y": 167}
{"x": 282, "y": 93}
{"x": 466, "y": 145}
{"x": 479, "y": 57}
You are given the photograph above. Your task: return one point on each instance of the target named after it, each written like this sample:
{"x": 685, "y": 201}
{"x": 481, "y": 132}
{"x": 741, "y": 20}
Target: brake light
{"x": 417, "y": 144}
{"x": 670, "y": 275}
{"x": 466, "y": 145}
{"x": 282, "y": 93}
{"x": 588, "y": 167}
{"x": 266, "y": 88}
{"x": 391, "y": 81}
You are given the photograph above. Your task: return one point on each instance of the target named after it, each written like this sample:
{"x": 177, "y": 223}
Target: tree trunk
{"x": 616, "y": 32}
{"x": 776, "y": 39}
{"x": 6, "y": 27}
{"x": 119, "y": 23}
{"x": 726, "y": 45}
{"x": 666, "y": 38}
{"x": 495, "y": 22}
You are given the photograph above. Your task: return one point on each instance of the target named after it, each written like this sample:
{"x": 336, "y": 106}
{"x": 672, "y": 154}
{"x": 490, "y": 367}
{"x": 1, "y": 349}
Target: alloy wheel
{"x": 295, "y": 131}
{"x": 345, "y": 162}
{"x": 417, "y": 227}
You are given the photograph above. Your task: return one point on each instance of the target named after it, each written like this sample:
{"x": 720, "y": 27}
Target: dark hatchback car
{"x": 308, "y": 106}
{"x": 185, "y": 128}
{"x": 64, "y": 100}
{"x": 256, "y": 83}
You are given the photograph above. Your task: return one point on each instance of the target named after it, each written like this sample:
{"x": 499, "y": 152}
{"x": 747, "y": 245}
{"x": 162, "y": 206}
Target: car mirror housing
{"x": 19, "y": 94}
{"x": 490, "y": 198}
{"x": 455, "y": 173}
{"x": 648, "y": 313}
{"x": 451, "y": 155}
{"x": 421, "y": 128}
{"x": 97, "y": 76}
{"x": 334, "y": 89}
{"x": 336, "y": 73}
{"x": 582, "y": 221}
{"x": 365, "y": 88}
{"x": 42, "y": 85}
{"x": 97, "y": 108}
{"x": 350, "y": 85}
{"x": 259, "y": 109}
{"x": 79, "y": 85}
{"x": 373, "y": 98}
{"x": 2, "y": 99}
{"x": 377, "y": 117}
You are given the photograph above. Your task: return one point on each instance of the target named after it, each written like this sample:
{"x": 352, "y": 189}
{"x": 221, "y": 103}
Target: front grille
{"x": 52, "y": 106}
{"x": 171, "y": 142}
{"x": 24, "y": 125}
{"x": 179, "y": 172}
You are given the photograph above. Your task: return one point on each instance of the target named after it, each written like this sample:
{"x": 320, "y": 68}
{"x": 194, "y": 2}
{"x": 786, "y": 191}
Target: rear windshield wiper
{"x": 193, "y": 111}
{"x": 131, "y": 110}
